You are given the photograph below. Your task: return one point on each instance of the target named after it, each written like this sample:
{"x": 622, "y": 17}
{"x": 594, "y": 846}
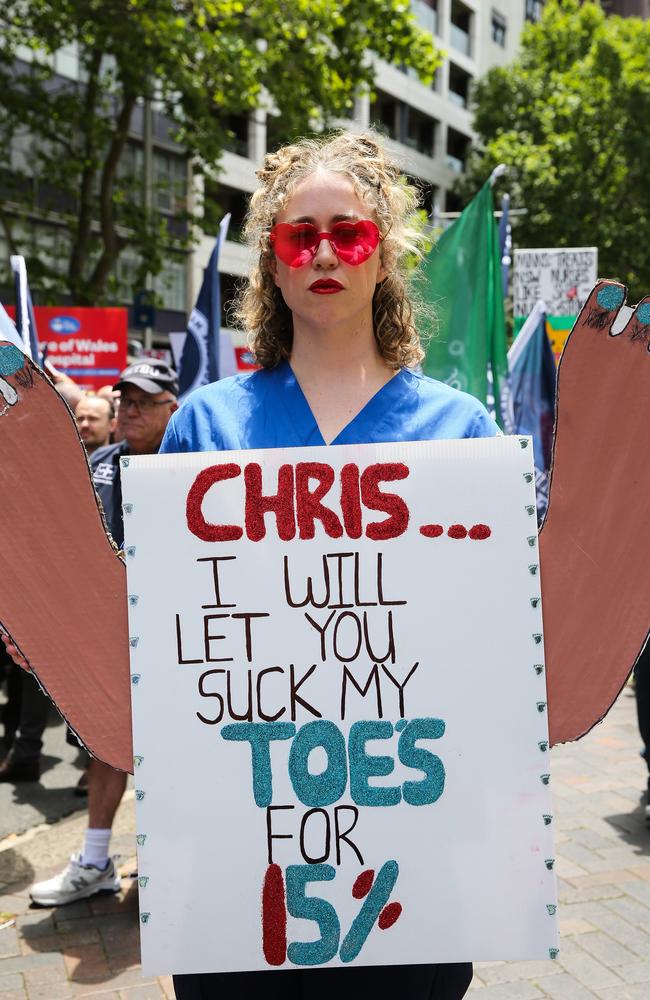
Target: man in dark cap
{"x": 148, "y": 392}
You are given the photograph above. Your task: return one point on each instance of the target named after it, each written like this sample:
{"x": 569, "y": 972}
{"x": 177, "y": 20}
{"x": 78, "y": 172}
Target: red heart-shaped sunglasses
{"x": 352, "y": 242}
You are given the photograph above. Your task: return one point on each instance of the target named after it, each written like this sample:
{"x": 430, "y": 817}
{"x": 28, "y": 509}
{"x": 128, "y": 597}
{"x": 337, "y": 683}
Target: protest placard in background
{"x": 562, "y": 278}
{"x": 88, "y": 344}
{"x": 339, "y": 706}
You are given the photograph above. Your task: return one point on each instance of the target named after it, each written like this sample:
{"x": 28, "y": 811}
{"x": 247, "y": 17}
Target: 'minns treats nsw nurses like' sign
{"x": 339, "y": 707}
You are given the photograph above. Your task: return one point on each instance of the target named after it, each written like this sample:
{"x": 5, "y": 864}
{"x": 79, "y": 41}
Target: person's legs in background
{"x": 642, "y": 691}
{"x": 22, "y": 763}
{"x": 93, "y": 870}
{"x": 10, "y": 713}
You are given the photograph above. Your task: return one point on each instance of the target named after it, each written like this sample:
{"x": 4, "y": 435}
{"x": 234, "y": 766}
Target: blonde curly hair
{"x": 379, "y": 183}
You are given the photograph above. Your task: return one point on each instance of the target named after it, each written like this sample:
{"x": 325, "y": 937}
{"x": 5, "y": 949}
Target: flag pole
{"x": 498, "y": 171}
{"x": 22, "y": 313}
{"x": 199, "y": 362}
{"x": 25, "y": 322}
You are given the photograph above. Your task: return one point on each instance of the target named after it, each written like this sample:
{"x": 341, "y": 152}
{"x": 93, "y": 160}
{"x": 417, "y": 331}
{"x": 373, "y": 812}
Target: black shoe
{"x": 19, "y": 770}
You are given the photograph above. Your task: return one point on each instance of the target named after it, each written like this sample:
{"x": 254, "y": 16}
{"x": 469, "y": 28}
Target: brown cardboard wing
{"x": 62, "y": 584}
{"x": 595, "y": 545}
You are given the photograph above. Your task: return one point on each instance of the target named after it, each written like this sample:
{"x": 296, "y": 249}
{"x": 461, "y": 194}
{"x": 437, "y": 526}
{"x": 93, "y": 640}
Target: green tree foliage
{"x": 571, "y": 119}
{"x": 203, "y": 62}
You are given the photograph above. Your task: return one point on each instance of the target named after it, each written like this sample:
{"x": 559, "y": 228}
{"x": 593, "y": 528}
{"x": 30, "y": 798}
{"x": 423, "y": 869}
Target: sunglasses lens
{"x": 354, "y": 242}
{"x": 345, "y": 234}
{"x": 293, "y": 245}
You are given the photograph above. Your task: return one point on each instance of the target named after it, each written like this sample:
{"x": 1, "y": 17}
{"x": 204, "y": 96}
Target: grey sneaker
{"x": 76, "y": 881}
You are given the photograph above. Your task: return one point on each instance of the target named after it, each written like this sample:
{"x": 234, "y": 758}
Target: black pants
{"x": 25, "y": 715}
{"x": 384, "y": 982}
{"x": 642, "y": 691}
{"x": 10, "y": 711}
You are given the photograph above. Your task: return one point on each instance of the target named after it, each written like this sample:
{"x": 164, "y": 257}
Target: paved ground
{"x": 603, "y": 852}
{"x": 26, "y": 805}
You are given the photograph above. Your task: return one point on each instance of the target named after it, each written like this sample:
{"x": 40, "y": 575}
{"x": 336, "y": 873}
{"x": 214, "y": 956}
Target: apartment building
{"x": 428, "y": 129}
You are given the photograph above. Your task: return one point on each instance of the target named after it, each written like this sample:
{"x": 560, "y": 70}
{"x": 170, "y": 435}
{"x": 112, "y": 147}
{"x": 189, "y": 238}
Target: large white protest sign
{"x": 561, "y": 277}
{"x": 339, "y": 707}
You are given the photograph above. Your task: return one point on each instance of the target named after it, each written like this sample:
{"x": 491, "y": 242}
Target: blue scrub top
{"x": 267, "y": 409}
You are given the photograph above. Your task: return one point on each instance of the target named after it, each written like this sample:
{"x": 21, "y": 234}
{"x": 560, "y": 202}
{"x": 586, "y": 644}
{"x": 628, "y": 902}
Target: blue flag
{"x": 532, "y": 378}
{"x": 199, "y": 363}
{"x": 25, "y": 322}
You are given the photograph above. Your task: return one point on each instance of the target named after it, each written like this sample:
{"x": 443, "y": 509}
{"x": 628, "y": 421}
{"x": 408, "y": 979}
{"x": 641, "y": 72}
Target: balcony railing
{"x": 425, "y": 15}
{"x": 458, "y": 166}
{"x": 458, "y": 99}
{"x": 460, "y": 40}
{"x": 421, "y": 145}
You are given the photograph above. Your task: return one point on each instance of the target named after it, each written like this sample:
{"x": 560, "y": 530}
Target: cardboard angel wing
{"x": 63, "y": 586}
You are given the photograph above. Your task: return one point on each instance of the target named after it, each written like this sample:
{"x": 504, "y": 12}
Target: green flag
{"x": 463, "y": 284}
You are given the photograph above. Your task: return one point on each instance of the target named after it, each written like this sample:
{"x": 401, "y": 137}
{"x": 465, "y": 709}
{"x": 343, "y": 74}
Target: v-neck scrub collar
{"x": 268, "y": 409}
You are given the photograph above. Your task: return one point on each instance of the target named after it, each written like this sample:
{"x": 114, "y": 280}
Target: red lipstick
{"x": 326, "y": 286}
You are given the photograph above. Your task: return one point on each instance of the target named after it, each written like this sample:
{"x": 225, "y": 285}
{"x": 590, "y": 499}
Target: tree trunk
{"x": 112, "y": 244}
{"x": 84, "y": 222}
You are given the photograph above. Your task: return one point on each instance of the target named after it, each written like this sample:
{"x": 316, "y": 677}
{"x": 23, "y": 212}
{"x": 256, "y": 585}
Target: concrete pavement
{"x": 603, "y": 867}
{"x": 26, "y": 805}
{"x": 603, "y": 864}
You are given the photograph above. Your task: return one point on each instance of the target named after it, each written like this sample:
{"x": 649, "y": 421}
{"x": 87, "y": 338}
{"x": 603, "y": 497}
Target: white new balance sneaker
{"x": 76, "y": 881}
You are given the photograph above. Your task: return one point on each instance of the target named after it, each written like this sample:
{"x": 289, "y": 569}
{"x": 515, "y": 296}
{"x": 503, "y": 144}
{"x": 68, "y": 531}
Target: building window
{"x": 453, "y": 203}
{"x": 237, "y": 134}
{"x": 499, "y": 29}
{"x": 459, "y": 85}
{"x": 384, "y": 113}
{"x": 217, "y": 201}
{"x": 403, "y": 123}
{"x": 534, "y": 10}
{"x": 460, "y": 29}
{"x": 131, "y": 165}
{"x": 169, "y": 177}
{"x": 170, "y": 285}
{"x": 170, "y": 182}
{"x": 418, "y": 131}
{"x": 21, "y": 152}
{"x": 457, "y": 149}
{"x": 47, "y": 256}
{"x": 127, "y": 277}
{"x": 66, "y": 61}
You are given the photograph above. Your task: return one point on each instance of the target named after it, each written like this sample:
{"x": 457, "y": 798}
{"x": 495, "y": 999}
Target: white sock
{"x": 95, "y": 850}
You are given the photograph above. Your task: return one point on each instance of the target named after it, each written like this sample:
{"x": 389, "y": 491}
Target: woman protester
{"x": 330, "y": 322}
